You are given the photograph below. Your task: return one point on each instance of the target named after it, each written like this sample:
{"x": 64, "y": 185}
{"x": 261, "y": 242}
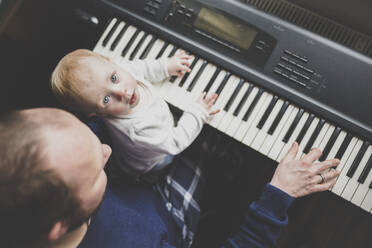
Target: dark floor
{"x": 42, "y": 31}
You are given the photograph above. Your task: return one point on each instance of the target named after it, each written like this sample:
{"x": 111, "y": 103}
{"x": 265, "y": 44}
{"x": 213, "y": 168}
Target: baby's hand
{"x": 179, "y": 64}
{"x": 208, "y": 102}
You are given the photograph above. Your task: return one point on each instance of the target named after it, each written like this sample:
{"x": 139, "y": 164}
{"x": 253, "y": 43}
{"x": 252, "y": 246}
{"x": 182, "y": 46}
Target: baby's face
{"x": 108, "y": 87}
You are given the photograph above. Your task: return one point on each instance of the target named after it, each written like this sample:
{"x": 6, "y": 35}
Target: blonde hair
{"x": 65, "y": 80}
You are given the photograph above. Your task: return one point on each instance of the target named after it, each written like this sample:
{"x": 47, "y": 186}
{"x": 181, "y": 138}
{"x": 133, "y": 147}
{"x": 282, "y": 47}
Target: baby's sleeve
{"x": 153, "y": 70}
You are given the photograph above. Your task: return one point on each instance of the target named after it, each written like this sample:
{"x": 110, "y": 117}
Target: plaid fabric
{"x": 181, "y": 191}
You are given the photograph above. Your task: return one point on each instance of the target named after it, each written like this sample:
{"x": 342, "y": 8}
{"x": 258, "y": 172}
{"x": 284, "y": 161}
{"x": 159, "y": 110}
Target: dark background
{"x": 37, "y": 33}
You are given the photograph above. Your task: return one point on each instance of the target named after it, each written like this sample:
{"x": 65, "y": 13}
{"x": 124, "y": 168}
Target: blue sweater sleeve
{"x": 264, "y": 220}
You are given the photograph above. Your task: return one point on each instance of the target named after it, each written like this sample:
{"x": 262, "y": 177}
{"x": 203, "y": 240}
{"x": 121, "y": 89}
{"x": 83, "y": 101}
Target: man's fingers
{"x": 328, "y": 175}
{"x": 291, "y": 154}
{"x": 312, "y": 156}
{"x": 323, "y": 166}
{"x": 213, "y": 112}
{"x": 324, "y": 186}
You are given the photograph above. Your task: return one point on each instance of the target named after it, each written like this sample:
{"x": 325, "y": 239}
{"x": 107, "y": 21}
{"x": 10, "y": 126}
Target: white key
{"x": 229, "y": 115}
{"x": 293, "y": 137}
{"x": 321, "y": 135}
{"x": 306, "y": 138}
{"x": 278, "y": 145}
{"x": 236, "y": 121}
{"x": 155, "y": 49}
{"x": 143, "y": 46}
{"x": 224, "y": 96}
{"x": 261, "y": 135}
{"x": 99, "y": 45}
{"x": 353, "y": 183}
{"x": 336, "y": 146}
{"x": 367, "y": 202}
{"x": 106, "y": 50}
{"x": 326, "y": 137}
{"x": 270, "y": 139}
{"x": 245, "y": 125}
{"x": 253, "y": 130}
{"x": 204, "y": 79}
{"x": 342, "y": 179}
{"x": 362, "y": 189}
{"x": 123, "y": 43}
{"x": 134, "y": 44}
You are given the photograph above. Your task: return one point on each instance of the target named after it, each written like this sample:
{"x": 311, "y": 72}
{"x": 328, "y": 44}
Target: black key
{"x": 212, "y": 80}
{"x": 130, "y": 43}
{"x": 108, "y": 36}
{"x": 330, "y": 144}
{"x": 278, "y": 118}
{"x": 254, "y": 103}
{"x": 118, "y": 38}
{"x": 162, "y": 50}
{"x": 138, "y": 46}
{"x": 173, "y": 51}
{"x": 267, "y": 112}
{"x": 187, "y": 74}
{"x": 344, "y": 146}
{"x": 315, "y": 134}
{"x": 305, "y": 128}
{"x": 148, "y": 48}
{"x": 223, "y": 83}
{"x": 293, "y": 125}
{"x": 197, "y": 76}
{"x": 358, "y": 158}
{"x": 370, "y": 186}
{"x": 233, "y": 96}
{"x": 365, "y": 171}
{"x": 243, "y": 100}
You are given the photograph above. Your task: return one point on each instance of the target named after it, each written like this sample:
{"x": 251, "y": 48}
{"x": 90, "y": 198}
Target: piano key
{"x": 292, "y": 138}
{"x": 261, "y": 135}
{"x": 155, "y": 49}
{"x": 105, "y": 50}
{"x": 173, "y": 52}
{"x": 111, "y": 32}
{"x": 278, "y": 118}
{"x": 330, "y": 144}
{"x": 278, "y": 145}
{"x": 116, "y": 54}
{"x": 246, "y": 123}
{"x": 294, "y": 124}
{"x": 119, "y": 37}
{"x": 323, "y": 142}
{"x": 353, "y": 183}
{"x": 342, "y": 179}
{"x": 236, "y": 121}
{"x": 223, "y": 98}
{"x": 145, "y": 39}
{"x": 271, "y": 138}
{"x": 228, "y": 117}
{"x": 316, "y": 132}
{"x": 147, "y": 49}
{"x": 367, "y": 201}
{"x": 212, "y": 80}
{"x": 129, "y": 45}
{"x": 363, "y": 188}
{"x": 165, "y": 45}
{"x": 366, "y": 171}
{"x": 343, "y": 147}
{"x": 197, "y": 75}
{"x": 198, "y": 88}
{"x": 253, "y": 130}
{"x": 270, "y": 108}
{"x": 187, "y": 74}
{"x": 233, "y": 96}
{"x": 337, "y": 145}
{"x": 223, "y": 83}
{"x": 99, "y": 44}
{"x": 133, "y": 45}
{"x": 253, "y": 104}
{"x": 358, "y": 158}
{"x": 306, "y": 137}
{"x": 305, "y": 128}
{"x": 243, "y": 100}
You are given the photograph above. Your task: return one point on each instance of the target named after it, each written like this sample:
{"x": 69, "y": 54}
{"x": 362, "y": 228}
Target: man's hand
{"x": 179, "y": 63}
{"x": 208, "y": 102}
{"x": 305, "y": 176}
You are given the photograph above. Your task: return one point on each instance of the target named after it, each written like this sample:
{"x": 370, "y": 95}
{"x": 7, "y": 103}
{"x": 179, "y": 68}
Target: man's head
{"x": 51, "y": 175}
{"x": 90, "y": 83}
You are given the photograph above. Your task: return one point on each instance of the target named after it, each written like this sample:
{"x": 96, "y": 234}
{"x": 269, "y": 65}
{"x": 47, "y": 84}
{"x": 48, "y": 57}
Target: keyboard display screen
{"x": 225, "y": 28}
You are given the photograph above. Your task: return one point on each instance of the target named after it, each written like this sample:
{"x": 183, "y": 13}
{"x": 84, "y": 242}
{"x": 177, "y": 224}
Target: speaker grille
{"x": 315, "y": 23}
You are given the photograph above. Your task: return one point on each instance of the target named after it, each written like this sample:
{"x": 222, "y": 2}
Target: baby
{"x": 143, "y": 131}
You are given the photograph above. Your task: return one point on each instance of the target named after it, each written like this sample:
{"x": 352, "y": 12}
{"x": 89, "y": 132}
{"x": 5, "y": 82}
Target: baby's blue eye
{"x": 106, "y": 99}
{"x": 113, "y": 78}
